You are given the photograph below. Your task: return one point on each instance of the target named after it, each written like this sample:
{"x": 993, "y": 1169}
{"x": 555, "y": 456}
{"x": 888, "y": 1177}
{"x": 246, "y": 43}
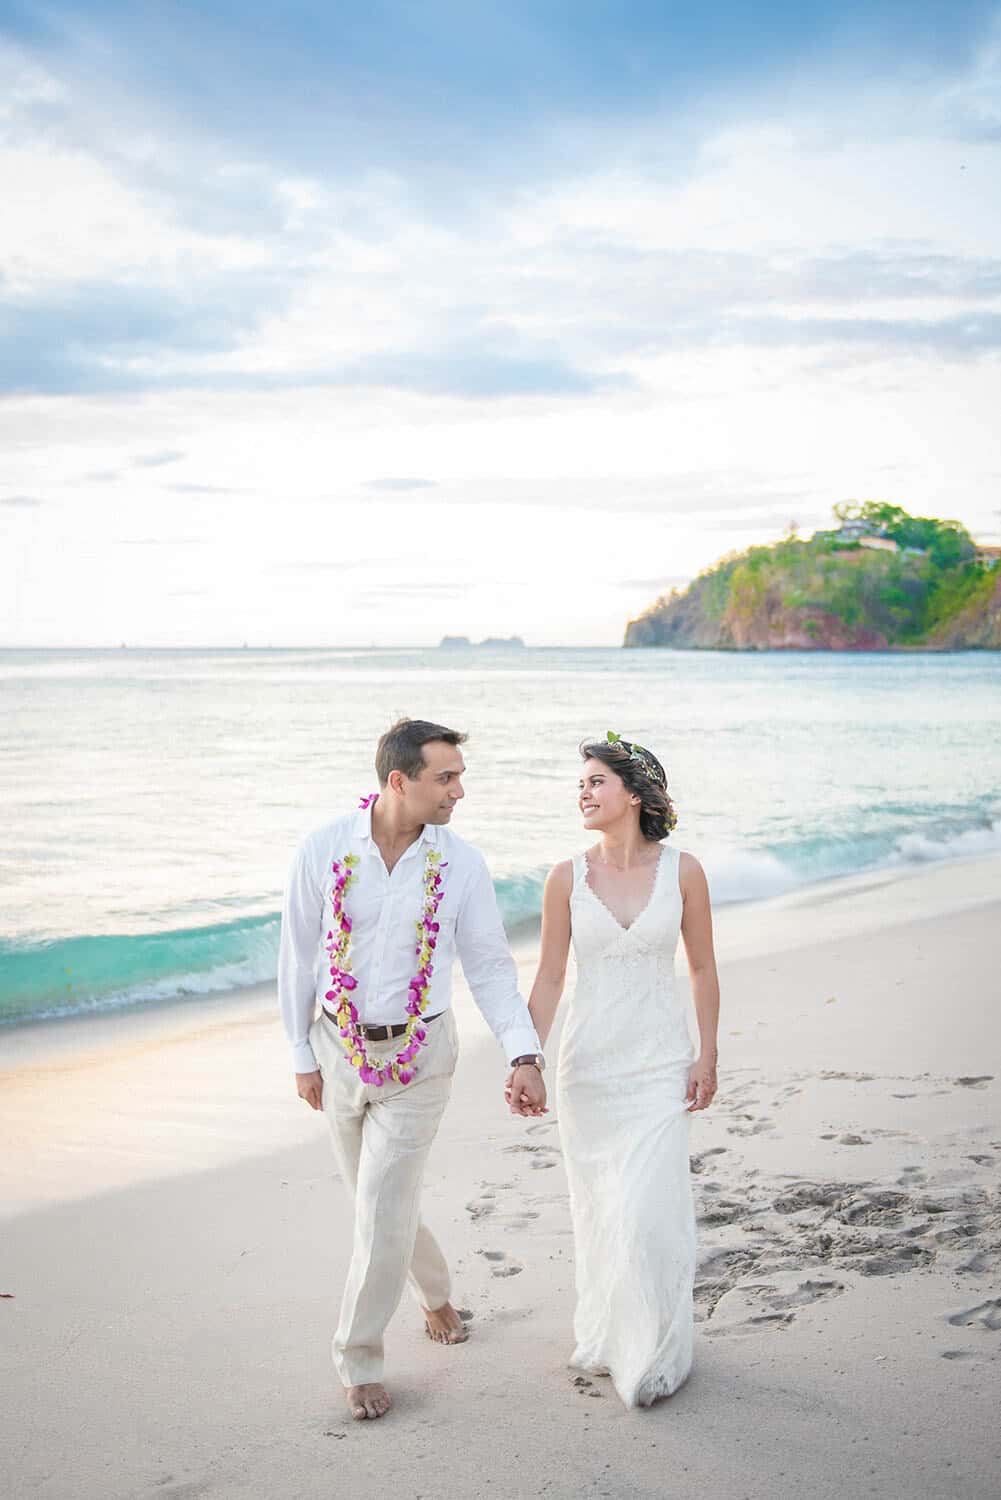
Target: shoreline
{"x": 740, "y": 920}
{"x": 98, "y": 1050}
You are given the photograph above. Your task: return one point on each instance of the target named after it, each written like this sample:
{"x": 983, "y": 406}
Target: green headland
{"x": 881, "y": 580}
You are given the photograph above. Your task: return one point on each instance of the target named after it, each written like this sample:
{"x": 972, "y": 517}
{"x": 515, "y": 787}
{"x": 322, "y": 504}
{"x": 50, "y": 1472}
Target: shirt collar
{"x": 362, "y": 828}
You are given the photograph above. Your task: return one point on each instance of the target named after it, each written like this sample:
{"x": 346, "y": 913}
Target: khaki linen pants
{"x": 381, "y": 1141}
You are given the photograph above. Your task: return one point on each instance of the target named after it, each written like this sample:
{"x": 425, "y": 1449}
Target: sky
{"x": 366, "y": 323}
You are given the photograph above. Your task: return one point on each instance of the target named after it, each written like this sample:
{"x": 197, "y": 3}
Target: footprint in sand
{"x": 895, "y": 1259}
{"x": 912, "y": 1177}
{"x": 697, "y": 1163}
{"x": 977, "y": 1264}
{"x": 806, "y": 1293}
{"x": 754, "y": 1324}
{"x": 533, "y": 1149}
{"x": 520, "y": 1220}
{"x": 500, "y": 1266}
{"x": 879, "y": 1207}
{"x": 720, "y": 1211}
{"x": 758, "y": 1128}
{"x": 813, "y": 1195}
{"x": 718, "y": 1272}
{"x": 976, "y": 1081}
{"x": 985, "y": 1314}
{"x": 959, "y": 1234}
{"x": 481, "y": 1208}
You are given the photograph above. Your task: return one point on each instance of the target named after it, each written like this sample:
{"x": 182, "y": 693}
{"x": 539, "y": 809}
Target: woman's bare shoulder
{"x": 691, "y": 875}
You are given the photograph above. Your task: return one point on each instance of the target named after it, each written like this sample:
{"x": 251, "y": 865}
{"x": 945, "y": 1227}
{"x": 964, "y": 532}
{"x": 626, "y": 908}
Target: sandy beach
{"x": 174, "y": 1244}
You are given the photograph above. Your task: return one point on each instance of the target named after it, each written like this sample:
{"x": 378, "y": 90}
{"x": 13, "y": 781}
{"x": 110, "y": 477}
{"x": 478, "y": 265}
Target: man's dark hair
{"x": 401, "y": 747}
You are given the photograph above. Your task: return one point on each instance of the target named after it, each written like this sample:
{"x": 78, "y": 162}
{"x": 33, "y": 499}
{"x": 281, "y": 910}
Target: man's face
{"x": 432, "y": 797}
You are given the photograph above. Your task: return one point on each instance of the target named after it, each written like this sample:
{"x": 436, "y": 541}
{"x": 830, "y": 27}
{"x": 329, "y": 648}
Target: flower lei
{"x": 402, "y": 1067}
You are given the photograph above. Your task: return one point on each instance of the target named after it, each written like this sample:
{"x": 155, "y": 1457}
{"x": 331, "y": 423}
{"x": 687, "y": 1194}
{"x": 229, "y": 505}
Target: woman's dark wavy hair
{"x": 657, "y": 814}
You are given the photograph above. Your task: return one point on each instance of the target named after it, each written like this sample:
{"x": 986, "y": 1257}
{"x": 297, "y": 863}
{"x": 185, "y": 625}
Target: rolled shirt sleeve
{"x": 302, "y": 923}
{"x": 490, "y": 971}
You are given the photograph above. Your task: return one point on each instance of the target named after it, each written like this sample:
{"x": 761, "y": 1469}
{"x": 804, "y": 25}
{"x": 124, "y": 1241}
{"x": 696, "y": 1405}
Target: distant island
{"x": 882, "y": 580}
{"x": 462, "y": 642}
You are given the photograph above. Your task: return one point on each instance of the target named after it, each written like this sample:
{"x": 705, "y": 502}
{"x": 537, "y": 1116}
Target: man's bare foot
{"x": 445, "y": 1326}
{"x": 367, "y": 1401}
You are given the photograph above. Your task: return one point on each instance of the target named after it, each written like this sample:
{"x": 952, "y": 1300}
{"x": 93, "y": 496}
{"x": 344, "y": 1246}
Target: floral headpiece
{"x": 639, "y": 755}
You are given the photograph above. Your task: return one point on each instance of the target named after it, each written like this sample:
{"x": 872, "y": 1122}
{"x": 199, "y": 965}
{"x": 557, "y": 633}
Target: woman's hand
{"x": 701, "y": 1084}
{"x": 525, "y": 1092}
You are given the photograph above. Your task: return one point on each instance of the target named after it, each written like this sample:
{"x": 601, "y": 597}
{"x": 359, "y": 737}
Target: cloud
{"x": 330, "y": 565}
{"x": 455, "y": 94}
{"x": 203, "y": 489}
{"x": 21, "y": 502}
{"x": 651, "y": 584}
{"x": 418, "y": 591}
{"x": 959, "y": 336}
{"x": 100, "y": 476}
{"x": 158, "y": 460}
{"x": 470, "y": 373}
{"x": 401, "y": 485}
{"x": 103, "y": 337}
{"x": 681, "y": 497}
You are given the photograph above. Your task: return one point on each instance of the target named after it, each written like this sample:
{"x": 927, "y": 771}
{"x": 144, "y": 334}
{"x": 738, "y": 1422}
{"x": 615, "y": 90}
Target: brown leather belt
{"x": 380, "y": 1033}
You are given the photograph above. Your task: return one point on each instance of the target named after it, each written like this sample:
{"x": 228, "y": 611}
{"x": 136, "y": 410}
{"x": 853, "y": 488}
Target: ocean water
{"x": 151, "y": 800}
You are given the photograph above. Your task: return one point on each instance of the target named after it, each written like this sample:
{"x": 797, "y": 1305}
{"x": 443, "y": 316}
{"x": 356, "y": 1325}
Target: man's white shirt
{"x": 384, "y": 908}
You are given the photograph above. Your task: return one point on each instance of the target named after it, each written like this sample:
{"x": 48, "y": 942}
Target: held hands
{"x": 309, "y": 1086}
{"x": 525, "y": 1091}
{"x": 701, "y": 1084}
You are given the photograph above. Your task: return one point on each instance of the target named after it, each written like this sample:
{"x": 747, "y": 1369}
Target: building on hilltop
{"x": 850, "y": 532}
{"x": 879, "y": 543}
{"x": 987, "y": 554}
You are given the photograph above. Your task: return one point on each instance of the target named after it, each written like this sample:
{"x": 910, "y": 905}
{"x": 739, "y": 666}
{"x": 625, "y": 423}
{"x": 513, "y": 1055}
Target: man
{"x": 378, "y": 904}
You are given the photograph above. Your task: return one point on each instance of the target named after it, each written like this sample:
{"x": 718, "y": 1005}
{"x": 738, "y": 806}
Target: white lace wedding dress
{"x": 620, "y": 1091}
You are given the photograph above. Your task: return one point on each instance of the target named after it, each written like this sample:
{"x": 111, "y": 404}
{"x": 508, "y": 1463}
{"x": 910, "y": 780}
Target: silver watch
{"x": 531, "y": 1060}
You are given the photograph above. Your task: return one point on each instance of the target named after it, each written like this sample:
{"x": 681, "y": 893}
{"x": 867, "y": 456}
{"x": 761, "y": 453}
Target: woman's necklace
{"x": 402, "y": 1068}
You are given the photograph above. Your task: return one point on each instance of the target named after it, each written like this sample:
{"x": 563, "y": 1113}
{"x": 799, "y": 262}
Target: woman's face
{"x": 603, "y": 797}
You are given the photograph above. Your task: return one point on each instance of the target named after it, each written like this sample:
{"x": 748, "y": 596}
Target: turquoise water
{"x": 150, "y": 801}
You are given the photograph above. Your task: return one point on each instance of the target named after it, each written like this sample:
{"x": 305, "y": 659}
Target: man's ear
{"x": 396, "y": 782}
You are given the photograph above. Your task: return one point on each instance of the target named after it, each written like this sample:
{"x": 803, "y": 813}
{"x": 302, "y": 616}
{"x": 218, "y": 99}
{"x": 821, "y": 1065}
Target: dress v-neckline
{"x": 643, "y": 909}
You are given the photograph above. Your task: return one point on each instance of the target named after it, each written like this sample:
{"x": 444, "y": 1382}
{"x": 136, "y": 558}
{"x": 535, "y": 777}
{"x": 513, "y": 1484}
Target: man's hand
{"x": 525, "y": 1091}
{"x": 309, "y": 1086}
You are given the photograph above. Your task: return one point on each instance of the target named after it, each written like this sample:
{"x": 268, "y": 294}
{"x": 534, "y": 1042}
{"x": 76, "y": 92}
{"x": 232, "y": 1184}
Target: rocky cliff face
{"x": 802, "y": 596}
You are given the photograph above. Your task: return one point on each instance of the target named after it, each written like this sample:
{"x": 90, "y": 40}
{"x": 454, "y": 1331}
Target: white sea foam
{"x": 259, "y": 969}
{"x": 968, "y": 843}
{"x": 737, "y": 875}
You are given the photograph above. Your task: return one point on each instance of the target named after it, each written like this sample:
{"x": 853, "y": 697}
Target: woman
{"x": 628, "y": 1080}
